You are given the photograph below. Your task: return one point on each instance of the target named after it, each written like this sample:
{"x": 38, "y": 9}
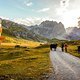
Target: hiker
{"x": 62, "y": 47}
{"x": 65, "y": 47}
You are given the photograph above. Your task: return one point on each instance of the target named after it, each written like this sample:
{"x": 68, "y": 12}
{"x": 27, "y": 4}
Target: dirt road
{"x": 66, "y": 66}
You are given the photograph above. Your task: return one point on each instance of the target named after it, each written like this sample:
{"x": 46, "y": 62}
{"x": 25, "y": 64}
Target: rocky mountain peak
{"x": 48, "y": 23}
{"x": 49, "y": 29}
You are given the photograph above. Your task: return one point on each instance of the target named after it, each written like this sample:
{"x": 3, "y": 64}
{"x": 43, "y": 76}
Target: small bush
{"x": 17, "y": 46}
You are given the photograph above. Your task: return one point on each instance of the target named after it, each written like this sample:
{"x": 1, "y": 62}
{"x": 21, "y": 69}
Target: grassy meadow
{"x": 12, "y": 41}
{"x": 30, "y": 61}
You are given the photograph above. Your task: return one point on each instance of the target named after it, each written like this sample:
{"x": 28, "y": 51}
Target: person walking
{"x": 65, "y": 47}
{"x": 62, "y": 47}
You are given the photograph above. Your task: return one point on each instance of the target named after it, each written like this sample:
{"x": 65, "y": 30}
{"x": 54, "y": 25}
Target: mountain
{"x": 49, "y": 29}
{"x": 19, "y": 31}
{"x": 73, "y": 33}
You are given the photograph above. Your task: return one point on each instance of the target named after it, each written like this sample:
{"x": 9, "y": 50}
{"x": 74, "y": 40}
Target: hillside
{"x": 19, "y": 31}
{"x": 12, "y": 41}
{"x": 44, "y": 32}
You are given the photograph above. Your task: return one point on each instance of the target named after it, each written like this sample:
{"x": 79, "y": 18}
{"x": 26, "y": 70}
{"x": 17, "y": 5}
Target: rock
{"x": 17, "y": 46}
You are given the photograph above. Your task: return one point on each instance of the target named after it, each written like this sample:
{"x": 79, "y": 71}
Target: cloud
{"x": 44, "y": 10}
{"x": 28, "y": 21}
{"x": 4, "y": 17}
{"x": 28, "y": 4}
{"x": 31, "y": 20}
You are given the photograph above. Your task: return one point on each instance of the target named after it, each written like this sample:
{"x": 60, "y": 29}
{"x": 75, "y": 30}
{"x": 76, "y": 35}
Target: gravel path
{"x": 66, "y": 66}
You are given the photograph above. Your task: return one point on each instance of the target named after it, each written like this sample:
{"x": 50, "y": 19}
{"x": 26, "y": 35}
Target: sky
{"x": 31, "y": 12}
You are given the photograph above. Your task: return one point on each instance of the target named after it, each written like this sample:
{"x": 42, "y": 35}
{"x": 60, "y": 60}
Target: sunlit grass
{"x": 25, "y": 62}
{"x": 72, "y": 49}
{"x": 12, "y": 41}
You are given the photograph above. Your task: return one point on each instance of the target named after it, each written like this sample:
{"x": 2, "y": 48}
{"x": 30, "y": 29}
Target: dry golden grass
{"x": 11, "y": 41}
{"x": 21, "y": 63}
{"x": 72, "y": 49}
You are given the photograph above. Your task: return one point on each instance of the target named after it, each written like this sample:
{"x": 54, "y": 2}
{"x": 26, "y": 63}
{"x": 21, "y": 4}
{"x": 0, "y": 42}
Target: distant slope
{"x": 73, "y": 33}
{"x": 19, "y": 31}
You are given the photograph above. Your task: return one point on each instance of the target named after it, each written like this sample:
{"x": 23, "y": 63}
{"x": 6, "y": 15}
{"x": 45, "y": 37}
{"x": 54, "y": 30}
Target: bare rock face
{"x": 49, "y": 29}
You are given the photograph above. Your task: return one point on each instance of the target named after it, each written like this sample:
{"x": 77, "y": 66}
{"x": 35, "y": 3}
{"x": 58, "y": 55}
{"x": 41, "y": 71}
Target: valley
{"x": 24, "y": 52}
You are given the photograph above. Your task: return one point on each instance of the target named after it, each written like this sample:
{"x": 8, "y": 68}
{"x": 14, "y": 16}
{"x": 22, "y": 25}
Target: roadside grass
{"x": 25, "y": 63}
{"x": 72, "y": 49}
